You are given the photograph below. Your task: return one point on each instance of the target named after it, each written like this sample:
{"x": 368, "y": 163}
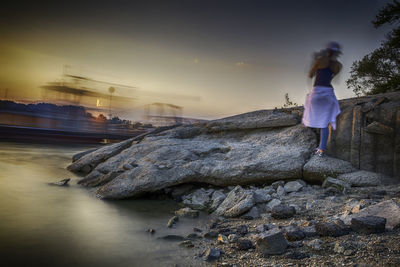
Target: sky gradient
{"x": 213, "y": 58}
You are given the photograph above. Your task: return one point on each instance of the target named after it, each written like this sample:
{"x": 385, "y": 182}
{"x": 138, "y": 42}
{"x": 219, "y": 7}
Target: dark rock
{"x": 276, "y": 184}
{"x": 151, "y": 231}
{"x": 212, "y": 254}
{"x": 272, "y": 242}
{"x": 172, "y": 221}
{"x": 187, "y": 212}
{"x": 172, "y": 238}
{"x": 242, "y": 230}
{"x": 309, "y": 231}
{"x": 334, "y": 228}
{"x": 63, "y": 182}
{"x": 244, "y": 244}
{"x": 225, "y": 231}
{"x": 368, "y": 224}
{"x": 197, "y": 230}
{"x": 211, "y": 234}
{"x": 213, "y": 224}
{"x": 293, "y": 233}
{"x": 282, "y": 211}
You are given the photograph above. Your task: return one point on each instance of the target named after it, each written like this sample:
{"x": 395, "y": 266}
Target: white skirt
{"x": 321, "y": 108}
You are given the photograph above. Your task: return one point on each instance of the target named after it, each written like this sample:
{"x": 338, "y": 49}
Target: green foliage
{"x": 379, "y": 71}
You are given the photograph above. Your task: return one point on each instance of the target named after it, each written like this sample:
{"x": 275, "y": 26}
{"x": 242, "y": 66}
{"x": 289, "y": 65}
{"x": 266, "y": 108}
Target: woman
{"x": 321, "y": 106}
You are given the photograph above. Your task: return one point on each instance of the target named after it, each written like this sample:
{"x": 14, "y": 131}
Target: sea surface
{"x": 45, "y": 225}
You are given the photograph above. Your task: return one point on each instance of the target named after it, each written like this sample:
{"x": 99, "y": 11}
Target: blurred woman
{"x": 321, "y": 106}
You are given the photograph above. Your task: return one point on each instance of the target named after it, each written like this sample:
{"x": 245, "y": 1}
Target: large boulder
{"x": 317, "y": 169}
{"x": 179, "y": 156}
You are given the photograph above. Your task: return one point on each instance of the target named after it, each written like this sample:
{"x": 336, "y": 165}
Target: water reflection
{"x": 67, "y": 226}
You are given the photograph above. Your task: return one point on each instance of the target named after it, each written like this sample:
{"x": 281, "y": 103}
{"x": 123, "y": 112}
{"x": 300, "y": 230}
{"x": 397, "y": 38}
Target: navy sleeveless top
{"x": 324, "y": 77}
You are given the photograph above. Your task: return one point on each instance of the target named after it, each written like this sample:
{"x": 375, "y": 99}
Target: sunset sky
{"x": 213, "y": 58}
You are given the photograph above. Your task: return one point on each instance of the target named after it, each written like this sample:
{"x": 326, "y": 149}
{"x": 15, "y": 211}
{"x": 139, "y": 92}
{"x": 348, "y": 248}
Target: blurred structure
{"x": 163, "y": 114}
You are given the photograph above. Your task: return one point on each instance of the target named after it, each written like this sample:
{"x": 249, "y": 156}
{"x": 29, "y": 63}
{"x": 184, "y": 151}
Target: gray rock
{"x": 293, "y": 233}
{"x": 193, "y": 236}
{"x": 172, "y": 221}
{"x": 274, "y": 202}
{"x": 222, "y": 239}
{"x": 198, "y": 200}
{"x": 366, "y": 178}
{"x": 272, "y": 242}
{"x": 211, "y": 234}
{"x": 276, "y": 184}
{"x": 293, "y": 186}
{"x": 339, "y": 185}
{"x": 368, "y": 224}
{"x": 216, "y": 199}
{"x": 317, "y": 169}
{"x": 186, "y": 244}
{"x": 242, "y": 230}
{"x": 334, "y": 228}
{"x": 212, "y": 254}
{"x": 283, "y": 212}
{"x": 309, "y": 231}
{"x": 244, "y": 244}
{"x": 315, "y": 244}
{"x": 236, "y": 203}
{"x": 261, "y": 228}
{"x": 187, "y": 212}
{"x": 261, "y": 196}
{"x": 388, "y": 209}
{"x": 252, "y": 214}
{"x": 280, "y": 191}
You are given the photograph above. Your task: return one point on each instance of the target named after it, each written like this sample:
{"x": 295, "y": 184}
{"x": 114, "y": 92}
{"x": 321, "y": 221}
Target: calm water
{"x": 67, "y": 226}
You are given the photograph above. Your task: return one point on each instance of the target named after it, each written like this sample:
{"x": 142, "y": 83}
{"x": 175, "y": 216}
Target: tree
{"x": 379, "y": 71}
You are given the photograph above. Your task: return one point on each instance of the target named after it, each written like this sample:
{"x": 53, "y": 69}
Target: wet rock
{"x": 293, "y": 233}
{"x": 197, "y": 230}
{"x": 198, "y": 200}
{"x": 193, "y": 236}
{"x": 317, "y": 169}
{"x": 293, "y": 186}
{"x": 333, "y": 228}
{"x": 172, "y": 221}
{"x": 232, "y": 238}
{"x": 366, "y": 178}
{"x": 244, "y": 244}
{"x": 340, "y": 185}
{"x": 368, "y": 224}
{"x": 187, "y": 212}
{"x": 211, "y": 234}
{"x": 212, "y": 254}
{"x": 388, "y": 209}
{"x": 216, "y": 199}
{"x": 236, "y": 203}
{"x": 186, "y": 244}
{"x": 272, "y": 242}
{"x": 63, "y": 182}
{"x": 283, "y": 212}
{"x": 261, "y": 196}
{"x": 172, "y": 238}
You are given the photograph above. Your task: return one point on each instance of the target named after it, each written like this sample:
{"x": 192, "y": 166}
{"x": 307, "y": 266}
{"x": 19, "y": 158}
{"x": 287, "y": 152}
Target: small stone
{"x": 242, "y": 230}
{"x": 232, "y": 238}
{"x": 252, "y": 214}
{"x": 212, "y": 254}
{"x": 280, "y": 191}
{"x": 225, "y": 231}
{"x": 193, "y": 236}
{"x": 266, "y": 216}
{"x": 127, "y": 166}
{"x": 295, "y": 255}
{"x": 272, "y": 242}
{"x": 63, "y": 182}
{"x": 261, "y": 228}
{"x": 197, "y": 230}
{"x": 274, "y": 202}
{"x": 172, "y": 221}
{"x": 244, "y": 244}
{"x": 262, "y": 196}
{"x": 340, "y": 185}
{"x": 276, "y": 184}
{"x": 309, "y": 231}
{"x": 151, "y": 231}
{"x": 334, "y": 228}
{"x": 293, "y": 186}
{"x": 187, "y": 212}
{"x": 222, "y": 239}
{"x": 315, "y": 244}
{"x": 283, "y": 212}
{"x": 368, "y": 224}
